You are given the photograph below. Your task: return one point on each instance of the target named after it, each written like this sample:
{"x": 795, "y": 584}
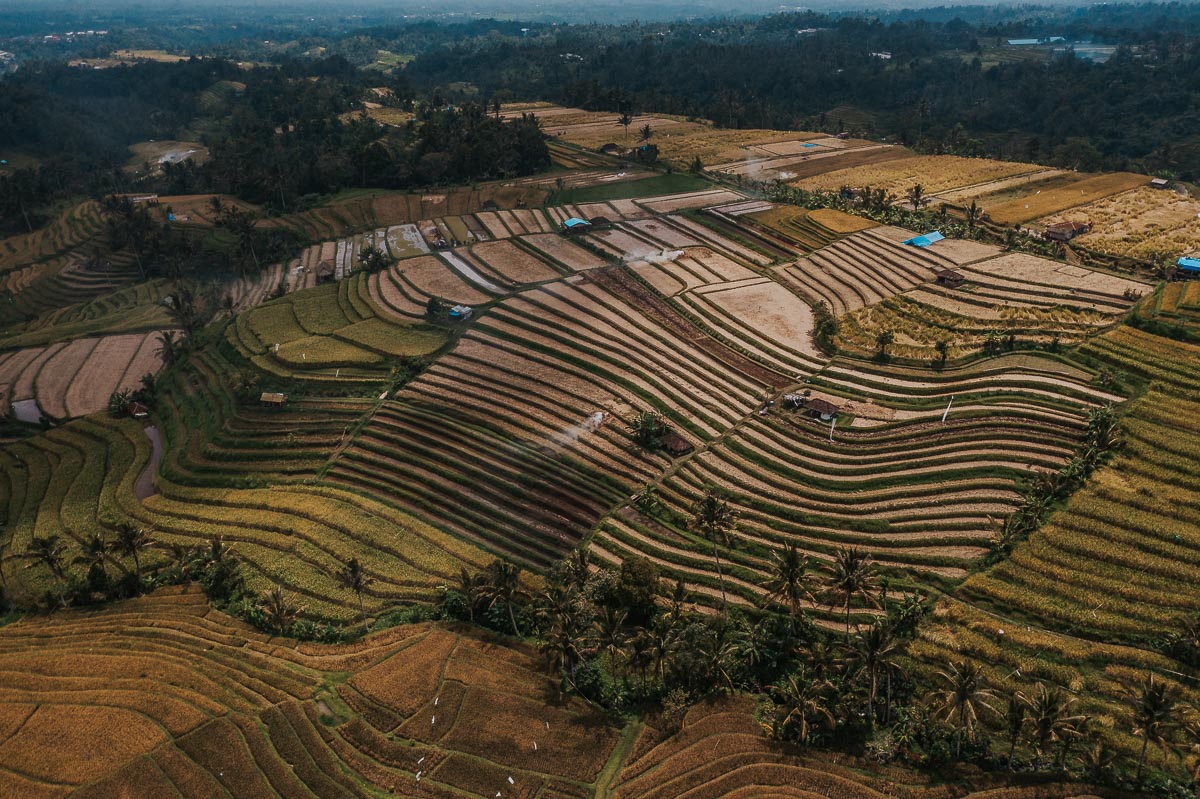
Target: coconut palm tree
{"x": 49, "y": 551}
{"x": 1155, "y": 717}
{"x": 93, "y": 554}
{"x": 1049, "y": 714}
{"x": 611, "y": 635}
{"x": 279, "y": 610}
{"x": 974, "y": 213}
{"x": 1014, "y": 723}
{"x": 801, "y": 703}
{"x": 130, "y": 542}
{"x": 503, "y": 584}
{"x": 787, "y": 582}
{"x": 712, "y": 518}
{"x": 353, "y": 577}
{"x": 877, "y": 650}
{"x": 169, "y": 347}
{"x": 660, "y": 640}
{"x": 916, "y": 196}
{"x": 961, "y": 698}
{"x": 853, "y": 575}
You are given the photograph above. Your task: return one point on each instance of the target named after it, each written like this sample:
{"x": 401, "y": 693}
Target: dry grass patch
{"x": 1143, "y": 223}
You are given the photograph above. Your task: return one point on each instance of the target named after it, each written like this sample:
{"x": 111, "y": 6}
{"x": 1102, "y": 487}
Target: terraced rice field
{"x": 1117, "y": 565}
{"x": 1143, "y": 223}
{"x": 206, "y": 706}
{"x": 75, "y": 378}
{"x": 917, "y": 492}
{"x": 935, "y": 173}
{"x": 331, "y": 333}
{"x": 1034, "y": 200}
{"x": 1177, "y": 303}
{"x": 517, "y": 439}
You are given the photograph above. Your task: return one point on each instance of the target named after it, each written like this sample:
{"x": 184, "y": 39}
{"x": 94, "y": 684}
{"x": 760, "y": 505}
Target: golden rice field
{"x": 1143, "y": 223}
{"x": 1030, "y": 201}
{"x": 935, "y": 173}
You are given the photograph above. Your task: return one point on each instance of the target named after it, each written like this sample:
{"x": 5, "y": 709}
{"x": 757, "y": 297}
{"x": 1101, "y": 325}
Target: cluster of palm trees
{"x": 1049, "y": 721}
{"x": 97, "y": 553}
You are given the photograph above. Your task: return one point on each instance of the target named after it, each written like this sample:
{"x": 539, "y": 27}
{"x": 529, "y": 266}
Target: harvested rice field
{"x": 935, "y": 173}
{"x": 1143, "y": 223}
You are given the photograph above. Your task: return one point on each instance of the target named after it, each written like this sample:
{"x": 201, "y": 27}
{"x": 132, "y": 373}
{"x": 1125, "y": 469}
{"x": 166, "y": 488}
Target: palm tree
{"x": 646, "y": 133}
{"x": 611, "y": 634}
{"x": 787, "y": 582}
{"x": 1014, "y": 723}
{"x": 130, "y": 542}
{"x": 883, "y": 340}
{"x": 1155, "y": 717}
{"x": 93, "y": 553}
{"x": 974, "y": 213}
{"x": 279, "y": 610}
{"x": 469, "y": 585}
{"x": 802, "y": 703}
{"x": 503, "y": 584}
{"x": 916, "y": 195}
{"x": 353, "y": 577}
{"x": 962, "y": 698}
{"x": 660, "y": 640}
{"x": 169, "y": 347}
{"x": 853, "y": 575}
{"x": 713, "y": 519}
{"x": 625, "y": 120}
{"x": 49, "y": 551}
{"x": 1049, "y": 714}
{"x": 877, "y": 650}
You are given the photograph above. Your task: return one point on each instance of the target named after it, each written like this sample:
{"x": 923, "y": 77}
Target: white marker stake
{"x": 535, "y": 746}
{"x": 510, "y": 781}
{"x": 433, "y": 721}
{"x": 832, "y": 422}
{"x": 947, "y": 413}
{"x": 436, "y": 699}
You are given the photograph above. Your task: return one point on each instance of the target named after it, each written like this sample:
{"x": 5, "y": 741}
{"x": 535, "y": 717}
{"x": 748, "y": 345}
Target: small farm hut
{"x": 600, "y": 222}
{"x": 461, "y": 313}
{"x": 1065, "y": 231}
{"x": 822, "y": 409}
{"x": 1160, "y": 183}
{"x": 949, "y": 278}
{"x": 675, "y": 444}
{"x": 137, "y": 410}
{"x": 275, "y": 398}
{"x": 928, "y": 240}
{"x": 326, "y": 271}
{"x": 576, "y": 225}
{"x": 1189, "y": 266}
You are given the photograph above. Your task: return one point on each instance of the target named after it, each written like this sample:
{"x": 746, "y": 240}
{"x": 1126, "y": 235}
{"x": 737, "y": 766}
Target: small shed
{"x": 1190, "y": 266}
{"x": 843, "y": 135}
{"x": 949, "y": 278}
{"x": 461, "y": 313}
{"x": 600, "y": 222}
{"x": 275, "y": 398}
{"x": 822, "y": 409}
{"x": 1160, "y": 183}
{"x": 675, "y": 444}
{"x": 928, "y": 240}
{"x": 137, "y": 410}
{"x": 576, "y": 225}
{"x": 1065, "y": 231}
{"x": 326, "y": 271}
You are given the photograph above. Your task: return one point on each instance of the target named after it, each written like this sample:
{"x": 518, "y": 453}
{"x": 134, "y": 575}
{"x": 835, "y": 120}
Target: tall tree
{"x": 788, "y": 580}
{"x": 503, "y": 584}
{"x": 961, "y": 698}
{"x": 1155, "y": 717}
{"x": 130, "y": 542}
{"x": 713, "y": 518}
{"x": 353, "y": 577}
{"x": 854, "y": 575}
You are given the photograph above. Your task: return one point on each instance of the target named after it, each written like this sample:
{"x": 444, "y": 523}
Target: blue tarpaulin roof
{"x": 926, "y": 240}
{"x": 808, "y": 144}
{"x": 1190, "y": 264}
{"x": 575, "y": 222}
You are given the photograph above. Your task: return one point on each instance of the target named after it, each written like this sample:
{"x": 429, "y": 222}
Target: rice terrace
{"x": 466, "y": 444}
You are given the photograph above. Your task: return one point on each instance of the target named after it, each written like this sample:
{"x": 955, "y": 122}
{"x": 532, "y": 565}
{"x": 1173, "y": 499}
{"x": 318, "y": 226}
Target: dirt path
{"x": 144, "y": 487}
